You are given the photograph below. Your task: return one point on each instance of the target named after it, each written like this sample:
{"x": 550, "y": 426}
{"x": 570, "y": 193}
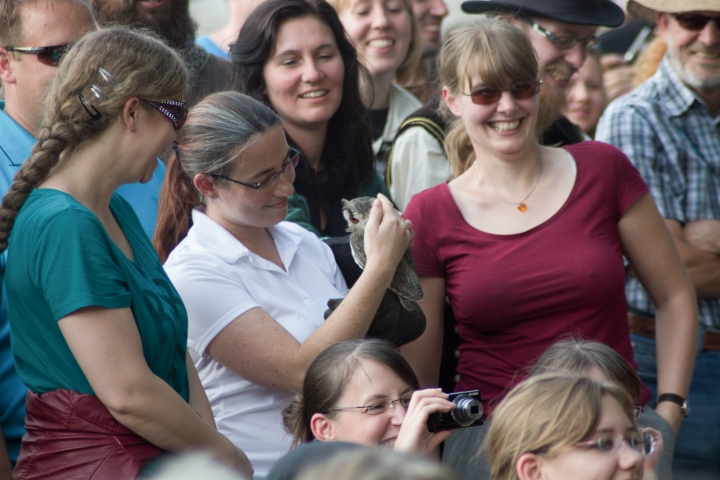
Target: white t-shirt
{"x": 219, "y": 279}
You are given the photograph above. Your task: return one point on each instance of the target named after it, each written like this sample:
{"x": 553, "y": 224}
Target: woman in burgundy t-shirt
{"x": 527, "y": 242}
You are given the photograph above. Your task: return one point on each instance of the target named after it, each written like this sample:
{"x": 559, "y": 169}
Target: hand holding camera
{"x": 468, "y": 412}
{"x": 432, "y": 413}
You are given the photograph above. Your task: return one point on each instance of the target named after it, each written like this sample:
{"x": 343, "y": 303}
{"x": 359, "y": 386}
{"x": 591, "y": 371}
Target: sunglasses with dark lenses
{"x": 519, "y": 91}
{"x": 695, "y": 21}
{"x": 46, "y": 55}
{"x": 175, "y": 111}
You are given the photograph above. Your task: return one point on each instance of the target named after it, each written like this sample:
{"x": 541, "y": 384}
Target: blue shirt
{"x": 15, "y": 145}
{"x": 670, "y": 135}
{"x": 211, "y": 47}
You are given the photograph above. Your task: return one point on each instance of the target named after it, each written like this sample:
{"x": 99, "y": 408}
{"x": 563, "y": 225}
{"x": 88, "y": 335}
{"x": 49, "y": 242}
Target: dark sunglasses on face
{"x": 46, "y": 55}
{"x": 694, "y": 21}
{"x": 519, "y": 91}
{"x": 175, "y": 111}
{"x": 287, "y": 167}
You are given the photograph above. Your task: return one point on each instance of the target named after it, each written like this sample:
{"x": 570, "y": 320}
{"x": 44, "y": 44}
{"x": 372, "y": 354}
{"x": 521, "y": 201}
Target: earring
{"x": 212, "y": 198}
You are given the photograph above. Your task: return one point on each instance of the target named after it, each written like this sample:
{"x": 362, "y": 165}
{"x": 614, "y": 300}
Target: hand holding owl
{"x": 385, "y": 235}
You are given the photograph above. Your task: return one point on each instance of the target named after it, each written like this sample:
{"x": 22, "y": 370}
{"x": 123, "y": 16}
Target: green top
{"x": 61, "y": 260}
{"x": 299, "y": 211}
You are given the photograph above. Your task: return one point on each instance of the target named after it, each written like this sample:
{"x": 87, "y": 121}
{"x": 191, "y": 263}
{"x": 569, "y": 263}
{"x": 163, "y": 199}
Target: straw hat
{"x": 582, "y": 12}
{"x": 645, "y": 10}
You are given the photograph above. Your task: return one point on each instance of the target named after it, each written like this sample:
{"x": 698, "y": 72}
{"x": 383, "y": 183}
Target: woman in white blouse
{"x": 255, "y": 287}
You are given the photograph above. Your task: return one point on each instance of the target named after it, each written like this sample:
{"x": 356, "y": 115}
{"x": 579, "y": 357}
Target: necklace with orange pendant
{"x": 522, "y": 206}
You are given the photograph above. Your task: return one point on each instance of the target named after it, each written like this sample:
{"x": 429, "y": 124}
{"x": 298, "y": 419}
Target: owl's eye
{"x": 354, "y": 220}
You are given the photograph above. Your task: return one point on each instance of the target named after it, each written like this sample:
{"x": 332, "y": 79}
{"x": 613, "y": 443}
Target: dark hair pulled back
{"x": 329, "y": 374}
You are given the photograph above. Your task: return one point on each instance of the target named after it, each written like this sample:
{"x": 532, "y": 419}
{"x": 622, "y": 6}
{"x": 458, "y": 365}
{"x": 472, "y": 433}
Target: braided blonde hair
{"x": 144, "y": 67}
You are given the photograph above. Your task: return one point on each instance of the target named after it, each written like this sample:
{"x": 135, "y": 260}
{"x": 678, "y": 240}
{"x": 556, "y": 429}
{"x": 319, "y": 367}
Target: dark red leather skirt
{"x": 72, "y": 436}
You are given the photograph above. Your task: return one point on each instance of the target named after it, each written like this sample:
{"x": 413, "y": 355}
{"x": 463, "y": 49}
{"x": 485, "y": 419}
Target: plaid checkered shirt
{"x": 669, "y": 134}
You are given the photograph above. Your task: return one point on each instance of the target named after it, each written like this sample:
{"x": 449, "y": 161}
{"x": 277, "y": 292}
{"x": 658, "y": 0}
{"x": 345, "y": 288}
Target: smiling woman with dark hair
{"x": 293, "y": 56}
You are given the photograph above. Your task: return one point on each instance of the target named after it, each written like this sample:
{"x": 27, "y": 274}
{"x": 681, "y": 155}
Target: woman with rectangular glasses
{"x": 527, "y": 242}
{"x": 99, "y": 333}
{"x": 364, "y": 391}
{"x": 565, "y": 427}
{"x": 257, "y": 287}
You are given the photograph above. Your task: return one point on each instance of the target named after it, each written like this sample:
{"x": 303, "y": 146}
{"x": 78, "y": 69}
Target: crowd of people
{"x": 177, "y": 275}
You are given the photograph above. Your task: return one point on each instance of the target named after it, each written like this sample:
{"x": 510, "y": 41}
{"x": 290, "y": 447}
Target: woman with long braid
{"x": 98, "y": 331}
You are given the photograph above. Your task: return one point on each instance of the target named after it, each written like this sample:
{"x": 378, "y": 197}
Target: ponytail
{"x": 178, "y": 197}
{"x": 297, "y": 421}
{"x": 460, "y": 152}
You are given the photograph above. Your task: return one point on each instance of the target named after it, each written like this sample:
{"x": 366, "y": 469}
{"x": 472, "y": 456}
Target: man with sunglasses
{"x": 33, "y": 36}
{"x": 668, "y": 127}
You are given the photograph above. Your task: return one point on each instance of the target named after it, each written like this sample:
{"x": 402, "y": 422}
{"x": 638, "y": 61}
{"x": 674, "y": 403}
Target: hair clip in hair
{"x": 99, "y": 94}
{"x": 89, "y": 107}
{"x": 110, "y": 79}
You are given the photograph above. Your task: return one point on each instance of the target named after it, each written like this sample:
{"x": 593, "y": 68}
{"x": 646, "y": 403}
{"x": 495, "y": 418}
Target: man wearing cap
{"x": 668, "y": 127}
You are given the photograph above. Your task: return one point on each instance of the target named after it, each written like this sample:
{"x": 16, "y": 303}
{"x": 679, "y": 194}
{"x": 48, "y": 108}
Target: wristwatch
{"x": 671, "y": 397}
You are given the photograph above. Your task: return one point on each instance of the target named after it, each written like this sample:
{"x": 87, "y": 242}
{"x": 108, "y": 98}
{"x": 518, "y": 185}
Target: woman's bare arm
{"x": 107, "y": 346}
{"x": 424, "y": 353}
{"x": 654, "y": 258}
{"x": 261, "y": 351}
{"x": 198, "y": 399}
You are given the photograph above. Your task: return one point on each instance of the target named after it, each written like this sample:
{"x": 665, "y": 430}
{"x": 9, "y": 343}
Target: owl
{"x": 405, "y": 283}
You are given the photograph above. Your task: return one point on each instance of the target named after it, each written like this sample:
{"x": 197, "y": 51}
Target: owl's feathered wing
{"x": 406, "y": 282}
{"x": 357, "y": 247}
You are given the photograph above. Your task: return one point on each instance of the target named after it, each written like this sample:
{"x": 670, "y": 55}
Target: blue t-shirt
{"x": 61, "y": 260}
{"x": 15, "y": 146}
{"x": 211, "y": 47}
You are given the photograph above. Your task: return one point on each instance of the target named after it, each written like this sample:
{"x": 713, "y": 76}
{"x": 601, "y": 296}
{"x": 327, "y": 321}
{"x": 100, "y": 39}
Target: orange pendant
{"x": 522, "y": 207}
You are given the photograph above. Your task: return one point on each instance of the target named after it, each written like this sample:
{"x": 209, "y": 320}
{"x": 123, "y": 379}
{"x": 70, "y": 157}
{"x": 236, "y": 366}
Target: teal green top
{"x": 61, "y": 259}
{"x": 299, "y": 211}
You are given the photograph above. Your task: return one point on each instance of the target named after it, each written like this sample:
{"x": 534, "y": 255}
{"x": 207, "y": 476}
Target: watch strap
{"x": 671, "y": 397}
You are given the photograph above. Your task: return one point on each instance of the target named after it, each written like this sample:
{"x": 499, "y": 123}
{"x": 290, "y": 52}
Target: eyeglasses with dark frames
{"x": 519, "y": 91}
{"x": 694, "y": 21}
{"x": 175, "y": 111}
{"x": 564, "y": 43}
{"x": 379, "y": 407}
{"x": 287, "y": 168}
{"x": 641, "y": 442}
{"x": 50, "y": 56}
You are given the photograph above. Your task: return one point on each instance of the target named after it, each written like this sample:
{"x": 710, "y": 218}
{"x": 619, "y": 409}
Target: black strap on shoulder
{"x": 426, "y": 117}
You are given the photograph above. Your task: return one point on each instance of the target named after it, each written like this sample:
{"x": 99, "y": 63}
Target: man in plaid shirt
{"x": 669, "y": 128}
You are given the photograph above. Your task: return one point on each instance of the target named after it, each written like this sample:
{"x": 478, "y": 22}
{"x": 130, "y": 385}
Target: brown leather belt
{"x": 645, "y": 327}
